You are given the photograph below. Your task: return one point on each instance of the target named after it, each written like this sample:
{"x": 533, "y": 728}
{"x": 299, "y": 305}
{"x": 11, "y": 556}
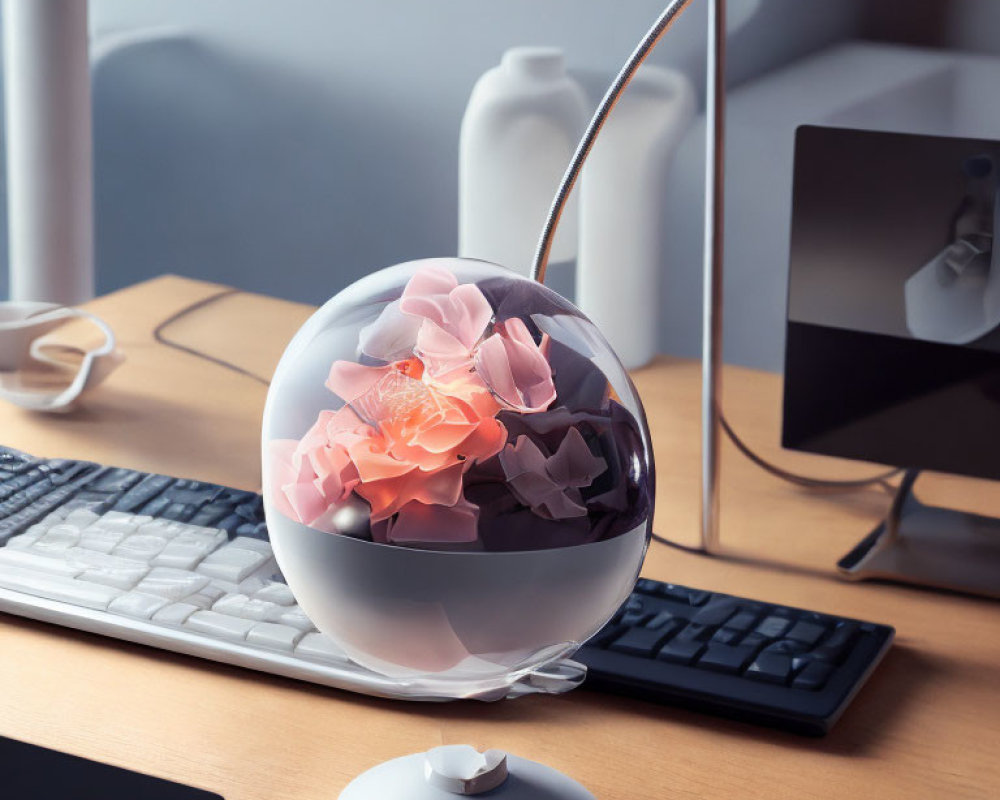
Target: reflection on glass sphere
{"x": 457, "y": 474}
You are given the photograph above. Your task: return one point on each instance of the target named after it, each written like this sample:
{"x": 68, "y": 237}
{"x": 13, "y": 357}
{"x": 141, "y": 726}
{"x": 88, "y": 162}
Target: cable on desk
{"x": 205, "y": 301}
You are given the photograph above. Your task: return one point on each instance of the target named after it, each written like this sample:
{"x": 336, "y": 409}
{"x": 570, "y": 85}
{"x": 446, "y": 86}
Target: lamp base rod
{"x": 711, "y": 354}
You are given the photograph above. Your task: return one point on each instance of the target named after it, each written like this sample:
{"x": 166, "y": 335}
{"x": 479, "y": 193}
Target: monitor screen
{"x": 892, "y": 351}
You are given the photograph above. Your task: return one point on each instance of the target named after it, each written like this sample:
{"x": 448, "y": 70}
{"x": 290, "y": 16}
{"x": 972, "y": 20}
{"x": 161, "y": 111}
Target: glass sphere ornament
{"x": 458, "y": 479}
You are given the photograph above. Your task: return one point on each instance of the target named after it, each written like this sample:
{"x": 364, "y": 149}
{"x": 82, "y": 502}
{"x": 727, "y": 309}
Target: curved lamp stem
{"x": 715, "y": 118}
{"x": 621, "y": 81}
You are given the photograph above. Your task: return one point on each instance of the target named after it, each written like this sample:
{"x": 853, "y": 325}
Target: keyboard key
{"x": 187, "y": 549}
{"x": 277, "y": 593}
{"x": 787, "y": 646}
{"x": 680, "y": 652}
{"x": 81, "y": 517}
{"x": 773, "y": 626}
{"x": 277, "y": 637}
{"x": 174, "y": 614}
{"x": 321, "y": 648}
{"x": 664, "y": 621}
{"x": 143, "y": 492}
{"x": 57, "y": 587}
{"x": 807, "y": 632}
{"x": 232, "y": 563}
{"x": 296, "y": 618}
{"x": 639, "y": 642}
{"x": 716, "y": 611}
{"x": 743, "y": 621}
{"x": 140, "y": 546}
{"x": 220, "y": 626}
{"x": 813, "y": 677}
{"x": 239, "y": 605}
{"x": 101, "y": 539}
{"x": 59, "y": 538}
{"x": 724, "y": 657}
{"x": 726, "y": 636}
{"x": 38, "y": 562}
{"x": 172, "y": 584}
{"x": 137, "y": 605}
{"x": 247, "y": 543}
{"x": 695, "y": 632}
{"x": 207, "y": 597}
{"x": 771, "y": 668}
{"x": 837, "y": 645}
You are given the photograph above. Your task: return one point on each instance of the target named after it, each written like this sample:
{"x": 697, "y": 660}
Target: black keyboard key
{"x": 639, "y": 642}
{"x": 682, "y": 594}
{"x": 743, "y": 621}
{"x": 716, "y": 611}
{"x": 70, "y": 470}
{"x": 695, "y": 633}
{"x": 754, "y": 640}
{"x": 646, "y": 586}
{"x": 726, "y": 636}
{"x": 155, "y": 507}
{"x": 837, "y": 645}
{"x": 725, "y": 658}
{"x": 680, "y": 651}
{"x": 813, "y": 677}
{"x": 114, "y": 480}
{"x": 697, "y": 598}
{"x": 178, "y": 512}
{"x": 664, "y": 621}
{"x": 771, "y": 668}
{"x": 787, "y": 647}
{"x": 773, "y": 626}
{"x": 144, "y": 491}
{"x": 806, "y": 632}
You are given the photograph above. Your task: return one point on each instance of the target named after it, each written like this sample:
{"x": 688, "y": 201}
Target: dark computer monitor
{"x": 893, "y": 338}
{"x": 892, "y": 351}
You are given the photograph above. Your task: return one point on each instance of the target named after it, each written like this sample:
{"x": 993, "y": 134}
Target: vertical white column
{"x": 49, "y": 150}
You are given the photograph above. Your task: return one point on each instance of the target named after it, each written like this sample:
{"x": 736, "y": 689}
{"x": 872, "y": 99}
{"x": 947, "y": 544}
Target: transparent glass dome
{"x": 458, "y": 480}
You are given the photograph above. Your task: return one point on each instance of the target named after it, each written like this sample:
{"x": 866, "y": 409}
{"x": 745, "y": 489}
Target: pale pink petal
{"x": 471, "y": 312}
{"x": 445, "y": 358}
{"x": 461, "y": 310}
{"x": 418, "y": 523}
{"x": 493, "y": 366}
{"x": 391, "y": 336}
{"x": 282, "y": 472}
{"x": 306, "y": 501}
{"x": 431, "y": 280}
{"x": 349, "y": 381}
{"x": 516, "y": 369}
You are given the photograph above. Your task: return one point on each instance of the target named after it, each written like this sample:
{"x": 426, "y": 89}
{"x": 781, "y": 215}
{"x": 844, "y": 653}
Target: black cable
{"x": 205, "y": 301}
{"x": 806, "y": 481}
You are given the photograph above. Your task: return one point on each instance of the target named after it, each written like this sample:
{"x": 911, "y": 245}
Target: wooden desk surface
{"x": 926, "y": 725}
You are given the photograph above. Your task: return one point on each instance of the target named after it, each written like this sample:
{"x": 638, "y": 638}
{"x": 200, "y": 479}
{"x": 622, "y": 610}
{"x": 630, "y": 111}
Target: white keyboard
{"x": 191, "y": 588}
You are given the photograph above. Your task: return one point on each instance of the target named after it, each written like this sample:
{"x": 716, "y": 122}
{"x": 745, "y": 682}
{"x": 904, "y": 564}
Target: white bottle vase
{"x": 621, "y": 211}
{"x": 519, "y": 132}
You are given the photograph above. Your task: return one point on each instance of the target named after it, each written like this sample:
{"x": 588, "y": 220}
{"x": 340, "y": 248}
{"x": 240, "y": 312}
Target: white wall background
{"x": 291, "y": 147}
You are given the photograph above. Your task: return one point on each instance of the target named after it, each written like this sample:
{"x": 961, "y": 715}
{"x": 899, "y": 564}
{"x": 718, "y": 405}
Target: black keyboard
{"x": 755, "y": 661}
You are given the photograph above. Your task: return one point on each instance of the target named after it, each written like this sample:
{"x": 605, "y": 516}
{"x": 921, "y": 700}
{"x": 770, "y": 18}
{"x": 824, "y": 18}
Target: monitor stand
{"x": 930, "y": 546}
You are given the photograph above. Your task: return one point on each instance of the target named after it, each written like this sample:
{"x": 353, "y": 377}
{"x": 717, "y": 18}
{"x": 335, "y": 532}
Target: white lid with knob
{"x": 452, "y": 771}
